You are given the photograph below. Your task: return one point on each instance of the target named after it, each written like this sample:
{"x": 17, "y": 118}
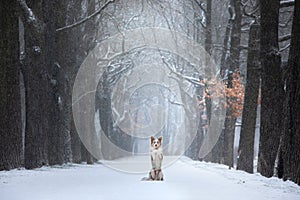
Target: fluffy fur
{"x": 156, "y": 159}
{"x": 155, "y": 173}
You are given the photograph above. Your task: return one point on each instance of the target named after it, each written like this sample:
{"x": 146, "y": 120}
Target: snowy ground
{"x": 184, "y": 180}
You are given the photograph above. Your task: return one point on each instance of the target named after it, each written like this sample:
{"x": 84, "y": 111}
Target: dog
{"x": 155, "y": 173}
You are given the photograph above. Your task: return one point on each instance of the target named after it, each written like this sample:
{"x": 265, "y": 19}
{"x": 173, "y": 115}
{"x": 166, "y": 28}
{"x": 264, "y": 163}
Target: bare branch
{"x": 192, "y": 80}
{"x": 200, "y": 4}
{"x": 284, "y": 38}
{"x": 245, "y": 30}
{"x": 87, "y": 18}
{"x": 243, "y": 48}
{"x": 29, "y": 17}
{"x": 250, "y": 14}
{"x": 203, "y": 25}
{"x": 287, "y": 3}
{"x": 231, "y": 13}
{"x": 246, "y": 24}
{"x": 285, "y": 47}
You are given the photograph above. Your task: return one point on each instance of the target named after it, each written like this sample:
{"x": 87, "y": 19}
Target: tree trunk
{"x": 64, "y": 63}
{"x": 86, "y": 156}
{"x": 68, "y": 43}
{"x": 271, "y": 88}
{"x": 246, "y": 145}
{"x": 217, "y": 154}
{"x": 291, "y": 133}
{"x": 35, "y": 78}
{"x": 10, "y": 101}
{"x": 208, "y": 35}
{"x": 223, "y": 66}
{"x": 208, "y": 49}
{"x": 74, "y": 48}
{"x": 234, "y": 58}
{"x": 56, "y": 139}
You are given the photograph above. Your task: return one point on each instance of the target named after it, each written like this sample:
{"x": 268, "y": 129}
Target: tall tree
{"x": 45, "y": 141}
{"x": 59, "y": 146}
{"x": 74, "y": 41}
{"x": 234, "y": 58}
{"x": 271, "y": 88}
{"x": 246, "y": 144}
{"x": 208, "y": 47}
{"x": 291, "y": 135}
{"x": 10, "y": 100}
{"x": 35, "y": 78}
{"x": 218, "y": 150}
{"x": 68, "y": 45}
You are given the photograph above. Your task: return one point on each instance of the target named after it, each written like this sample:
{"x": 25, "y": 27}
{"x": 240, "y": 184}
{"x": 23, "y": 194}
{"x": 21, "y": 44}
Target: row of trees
{"x": 279, "y": 131}
{"x": 36, "y": 125}
{"x": 271, "y": 83}
{"x": 279, "y": 128}
{"x": 44, "y": 43}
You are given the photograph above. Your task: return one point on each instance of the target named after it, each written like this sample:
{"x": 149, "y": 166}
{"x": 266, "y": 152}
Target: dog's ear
{"x": 160, "y": 139}
{"x": 152, "y": 138}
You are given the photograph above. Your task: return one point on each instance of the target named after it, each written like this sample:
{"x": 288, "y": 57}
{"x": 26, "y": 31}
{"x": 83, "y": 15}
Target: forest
{"x": 89, "y": 81}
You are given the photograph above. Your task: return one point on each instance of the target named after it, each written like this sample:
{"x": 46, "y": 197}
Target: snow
{"x": 184, "y": 180}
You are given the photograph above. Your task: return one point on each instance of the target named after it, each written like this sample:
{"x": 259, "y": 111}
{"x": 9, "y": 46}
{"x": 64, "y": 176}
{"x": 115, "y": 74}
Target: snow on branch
{"x": 173, "y": 70}
{"x": 249, "y": 14}
{"x": 29, "y": 17}
{"x": 201, "y": 6}
{"x": 285, "y": 47}
{"x": 287, "y": 3}
{"x": 284, "y": 38}
{"x": 243, "y": 48}
{"x": 87, "y": 18}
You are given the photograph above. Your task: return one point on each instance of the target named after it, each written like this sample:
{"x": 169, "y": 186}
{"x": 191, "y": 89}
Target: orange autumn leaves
{"x": 234, "y": 95}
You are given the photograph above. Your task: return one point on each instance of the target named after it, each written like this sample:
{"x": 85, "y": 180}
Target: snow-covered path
{"x": 184, "y": 180}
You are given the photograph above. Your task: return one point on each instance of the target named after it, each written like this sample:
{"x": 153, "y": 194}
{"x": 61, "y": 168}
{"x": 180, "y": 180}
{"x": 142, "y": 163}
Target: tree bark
{"x": 57, "y": 142}
{"x": 271, "y": 88}
{"x": 246, "y": 144}
{"x": 10, "y": 99}
{"x": 208, "y": 35}
{"x": 35, "y": 78}
{"x": 291, "y": 134}
{"x": 68, "y": 42}
{"x": 217, "y": 155}
{"x": 226, "y": 39}
{"x": 208, "y": 49}
{"x": 234, "y": 58}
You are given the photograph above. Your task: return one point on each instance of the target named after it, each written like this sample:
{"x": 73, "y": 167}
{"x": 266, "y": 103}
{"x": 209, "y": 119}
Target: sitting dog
{"x": 155, "y": 173}
{"x": 156, "y": 159}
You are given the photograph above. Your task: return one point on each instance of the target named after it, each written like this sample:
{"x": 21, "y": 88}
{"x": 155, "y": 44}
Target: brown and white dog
{"x": 155, "y": 173}
{"x": 156, "y": 159}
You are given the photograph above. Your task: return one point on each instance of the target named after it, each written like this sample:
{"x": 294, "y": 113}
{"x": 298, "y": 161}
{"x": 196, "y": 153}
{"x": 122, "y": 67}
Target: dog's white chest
{"x": 156, "y": 158}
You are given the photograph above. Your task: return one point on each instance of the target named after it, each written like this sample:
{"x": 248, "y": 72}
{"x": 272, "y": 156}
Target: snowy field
{"x": 184, "y": 180}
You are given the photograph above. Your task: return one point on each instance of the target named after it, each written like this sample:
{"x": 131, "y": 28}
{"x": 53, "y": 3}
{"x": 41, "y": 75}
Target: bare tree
{"x": 218, "y": 150}
{"x": 290, "y": 157}
{"x": 246, "y": 144}
{"x": 45, "y": 141}
{"x": 271, "y": 88}
{"x": 35, "y": 78}
{"x": 57, "y": 139}
{"x": 10, "y": 101}
{"x": 234, "y": 58}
